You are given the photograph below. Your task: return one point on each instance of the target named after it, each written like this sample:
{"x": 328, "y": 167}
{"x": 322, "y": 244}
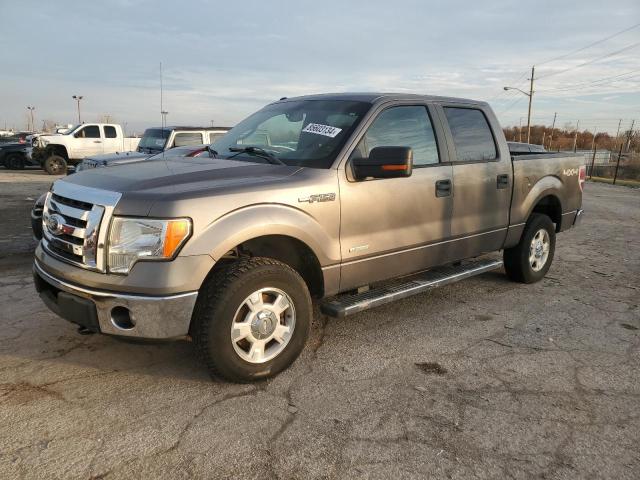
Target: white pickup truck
{"x": 55, "y": 152}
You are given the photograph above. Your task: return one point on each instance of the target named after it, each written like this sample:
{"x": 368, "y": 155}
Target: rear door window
{"x": 472, "y": 135}
{"x": 110, "y": 132}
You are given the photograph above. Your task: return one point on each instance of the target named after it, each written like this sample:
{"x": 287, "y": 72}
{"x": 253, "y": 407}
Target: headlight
{"x": 133, "y": 239}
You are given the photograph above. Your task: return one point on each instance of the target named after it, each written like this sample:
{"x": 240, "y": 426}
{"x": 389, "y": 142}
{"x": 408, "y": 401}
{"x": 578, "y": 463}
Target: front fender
{"x": 246, "y": 223}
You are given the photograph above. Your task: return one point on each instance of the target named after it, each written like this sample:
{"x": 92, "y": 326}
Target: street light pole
{"x": 32, "y": 127}
{"x": 77, "y": 98}
{"x": 530, "y": 95}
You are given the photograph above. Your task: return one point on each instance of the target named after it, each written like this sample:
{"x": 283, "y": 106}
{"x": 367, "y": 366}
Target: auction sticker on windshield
{"x": 319, "y": 129}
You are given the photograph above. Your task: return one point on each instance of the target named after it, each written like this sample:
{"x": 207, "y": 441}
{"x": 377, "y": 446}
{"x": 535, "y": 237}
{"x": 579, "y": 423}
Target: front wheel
{"x": 55, "y": 165}
{"x": 529, "y": 261}
{"x": 252, "y": 319}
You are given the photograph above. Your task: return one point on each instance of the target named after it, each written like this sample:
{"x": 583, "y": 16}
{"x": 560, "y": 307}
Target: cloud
{"x": 224, "y": 60}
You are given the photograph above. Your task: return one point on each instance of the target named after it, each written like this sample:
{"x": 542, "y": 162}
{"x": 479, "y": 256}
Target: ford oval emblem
{"x": 55, "y": 224}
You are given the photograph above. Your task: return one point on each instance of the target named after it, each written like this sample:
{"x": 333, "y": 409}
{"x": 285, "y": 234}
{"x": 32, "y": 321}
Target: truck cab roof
{"x": 377, "y": 97}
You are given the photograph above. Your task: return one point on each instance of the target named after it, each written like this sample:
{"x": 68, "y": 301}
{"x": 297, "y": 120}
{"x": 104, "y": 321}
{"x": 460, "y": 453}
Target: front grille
{"x": 71, "y": 224}
{"x": 87, "y": 164}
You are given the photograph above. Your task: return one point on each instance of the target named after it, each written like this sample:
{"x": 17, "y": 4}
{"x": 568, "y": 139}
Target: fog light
{"x": 121, "y": 318}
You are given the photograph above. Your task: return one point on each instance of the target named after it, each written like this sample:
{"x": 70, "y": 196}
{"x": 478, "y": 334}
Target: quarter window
{"x": 110, "y": 132}
{"x": 408, "y": 126}
{"x": 471, "y": 134}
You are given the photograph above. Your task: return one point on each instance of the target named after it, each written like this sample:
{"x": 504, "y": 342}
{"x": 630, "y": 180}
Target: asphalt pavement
{"x": 481, "y": 379}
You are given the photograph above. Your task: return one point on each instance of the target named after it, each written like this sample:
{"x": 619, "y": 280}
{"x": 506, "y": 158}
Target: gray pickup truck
{"x": 354, "y": 200}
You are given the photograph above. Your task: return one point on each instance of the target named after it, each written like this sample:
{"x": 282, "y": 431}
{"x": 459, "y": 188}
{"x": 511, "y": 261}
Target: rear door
{"x": 87, "y": 141}
{"x": 395, "y": 226}
{"x": 482, "y": 180}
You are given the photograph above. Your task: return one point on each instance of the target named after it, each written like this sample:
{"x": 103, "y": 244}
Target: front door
{"x": 87, "y": 142}
{"x": 391, "y": 227}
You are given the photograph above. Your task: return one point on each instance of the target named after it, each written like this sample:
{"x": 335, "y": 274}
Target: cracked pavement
{"x": 479, "y": 379}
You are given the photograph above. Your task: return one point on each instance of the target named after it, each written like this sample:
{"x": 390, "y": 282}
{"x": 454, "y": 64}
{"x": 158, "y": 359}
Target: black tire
{"x": 55, "y": 165}
{"x": 516, "y": 259}
{"x": 14, "y": 162}
{"x": 220, "y": 297}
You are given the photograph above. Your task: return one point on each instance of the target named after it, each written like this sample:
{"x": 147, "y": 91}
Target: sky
{"x": 224, "y": 60}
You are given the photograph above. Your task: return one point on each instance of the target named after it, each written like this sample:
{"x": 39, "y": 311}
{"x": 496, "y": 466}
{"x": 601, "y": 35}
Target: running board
{"x": 344, "y": 305}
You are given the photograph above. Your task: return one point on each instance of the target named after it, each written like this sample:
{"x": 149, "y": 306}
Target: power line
{"x": 607, "y": 55}
{"x": 588, "y": 46}
{"x": 600, "y": 81}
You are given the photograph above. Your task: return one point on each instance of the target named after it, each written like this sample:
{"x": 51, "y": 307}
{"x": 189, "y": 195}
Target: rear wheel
{"x": 252, "y": 319}
{"x": 14, "y": 162}
{"x": 55, "y": 165}
{"x": 529, "y": 261}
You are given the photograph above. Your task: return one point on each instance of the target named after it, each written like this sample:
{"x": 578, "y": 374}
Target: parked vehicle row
{"x": 154, "y": 141}
{"x": 56, "y": 152}
{"x": 353, "y": 200}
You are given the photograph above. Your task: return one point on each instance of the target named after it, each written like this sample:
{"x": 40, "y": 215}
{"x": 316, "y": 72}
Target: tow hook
{"x": 85, "y": 331}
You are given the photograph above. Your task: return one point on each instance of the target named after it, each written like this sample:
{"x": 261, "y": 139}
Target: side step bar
{"x": 344, "y": 305}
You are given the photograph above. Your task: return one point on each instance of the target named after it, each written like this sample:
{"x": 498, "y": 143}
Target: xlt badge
{"x": 320, "y": 197}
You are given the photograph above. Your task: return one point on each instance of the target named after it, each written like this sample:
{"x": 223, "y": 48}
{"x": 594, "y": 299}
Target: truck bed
{"x": 536, "y": 173}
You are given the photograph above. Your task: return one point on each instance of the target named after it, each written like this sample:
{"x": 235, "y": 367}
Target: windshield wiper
{"x": 257, "y": 151}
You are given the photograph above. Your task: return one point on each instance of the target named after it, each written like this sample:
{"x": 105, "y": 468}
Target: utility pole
{"x": 211, "y": 123}
{"x": 630, "y": 135}
{"x": 530, "y": 95}
{"x": 533, "y": 69}
{"x": 615, "y": 175}
{"x": 77, "y": 98}
{"x": 593, "y": 147}
{"x": 615, "y": 144}
{"x": 553, "y": 126}
{"x": 543, "y": 134}
{"x": 520, "y": 131}
{"x": 575, "y": 138}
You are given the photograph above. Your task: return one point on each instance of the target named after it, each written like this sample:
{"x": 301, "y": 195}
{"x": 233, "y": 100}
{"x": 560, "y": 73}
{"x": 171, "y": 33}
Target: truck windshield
{"x": 306, "y": 133}
{"x": 72, "y": 129}
{"x": 154, "y": 140}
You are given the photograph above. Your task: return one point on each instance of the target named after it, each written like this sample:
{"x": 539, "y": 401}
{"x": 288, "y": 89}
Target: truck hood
{"x": 117, "y": 158}
{"x": 143, "y": 183}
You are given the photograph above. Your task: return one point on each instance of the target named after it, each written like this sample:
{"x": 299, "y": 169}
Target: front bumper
{"x": 112, "y": 313}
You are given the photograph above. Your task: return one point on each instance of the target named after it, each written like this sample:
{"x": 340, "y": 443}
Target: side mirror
{"x": 384, "y": 162}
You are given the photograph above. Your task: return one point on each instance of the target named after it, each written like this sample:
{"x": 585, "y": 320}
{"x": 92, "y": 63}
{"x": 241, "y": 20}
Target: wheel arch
{"x": 274, "y": 231}
{"x": 57, "y": 149}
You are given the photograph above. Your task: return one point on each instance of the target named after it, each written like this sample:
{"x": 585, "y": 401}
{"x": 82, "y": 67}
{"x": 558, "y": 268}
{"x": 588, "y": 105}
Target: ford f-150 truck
{"x": 55, "y": 152}
{"x": 154, "y": 141}
{"x": 351, "y": 199}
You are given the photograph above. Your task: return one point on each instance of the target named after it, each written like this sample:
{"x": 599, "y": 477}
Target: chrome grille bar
{"x": 75, "y": 222}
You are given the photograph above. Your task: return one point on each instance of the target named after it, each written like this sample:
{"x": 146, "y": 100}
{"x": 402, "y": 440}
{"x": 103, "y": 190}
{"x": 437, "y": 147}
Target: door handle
{"x": 503, "y": 181}
{"x": 443, "y": 188}
{"x": 97, "y": 141}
